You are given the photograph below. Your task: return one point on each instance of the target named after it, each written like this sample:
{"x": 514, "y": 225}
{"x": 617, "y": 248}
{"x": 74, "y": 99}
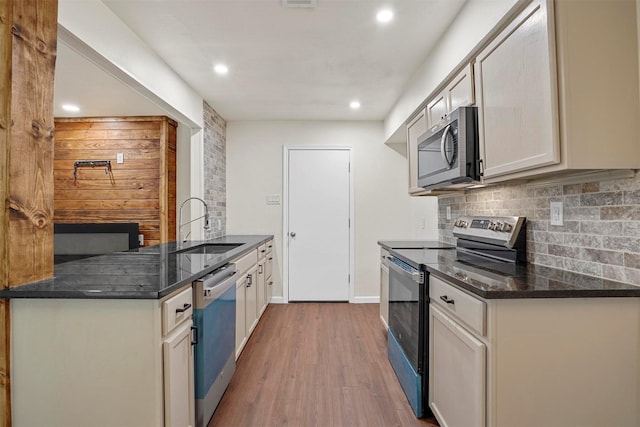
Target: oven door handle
{"x": 416, "y": 275}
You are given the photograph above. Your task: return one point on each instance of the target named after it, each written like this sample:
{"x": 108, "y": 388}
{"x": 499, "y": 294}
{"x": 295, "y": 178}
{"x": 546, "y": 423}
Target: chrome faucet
{"x": 205, "y": 216}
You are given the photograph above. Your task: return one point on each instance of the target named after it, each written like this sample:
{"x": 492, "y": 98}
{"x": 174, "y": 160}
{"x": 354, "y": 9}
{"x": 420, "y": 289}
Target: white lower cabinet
{"x": 251, "y": 301}
{"x": 178, "y": 378}
{"x": 456, "y": 372}
{"x": 253, "y": 290}
{"x": 102, "y": 362}
{"x": 532, "y": 362}
{"x": 384, "y": 287}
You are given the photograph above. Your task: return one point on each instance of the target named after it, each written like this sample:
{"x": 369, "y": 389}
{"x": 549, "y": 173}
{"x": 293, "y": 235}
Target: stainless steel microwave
{"x": 448, "y": 153}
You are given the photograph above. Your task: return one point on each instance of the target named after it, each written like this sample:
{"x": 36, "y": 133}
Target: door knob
{"x": 292, "y": 234}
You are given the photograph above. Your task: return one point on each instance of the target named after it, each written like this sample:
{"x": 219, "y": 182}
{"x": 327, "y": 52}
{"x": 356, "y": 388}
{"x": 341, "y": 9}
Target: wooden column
{"x": 28, "y": 31}
{"x": 5, "y": 137}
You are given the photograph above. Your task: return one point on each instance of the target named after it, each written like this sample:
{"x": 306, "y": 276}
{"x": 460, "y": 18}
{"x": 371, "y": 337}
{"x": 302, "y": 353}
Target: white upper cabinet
{"x": 457, "y": 93}
{"x": 416, "y": 127}
{"x": 557, "y": 91}
{"x": 437, "y": 109}
{"x": 517, "y": 95}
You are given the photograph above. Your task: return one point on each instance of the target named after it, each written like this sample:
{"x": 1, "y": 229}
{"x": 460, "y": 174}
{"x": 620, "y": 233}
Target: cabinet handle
{"x": 259, "y": 268}
{"x": 270, "y": 258}
{"x": 270, "y": 283}
{"x": 263, "y": 251}
{"x": 480, "y": 167}
{"x": 183, "y": 309}
{"x": 447, "y": 299}
{"x": 249, "y": 280}
{"x": 194, "y": 337}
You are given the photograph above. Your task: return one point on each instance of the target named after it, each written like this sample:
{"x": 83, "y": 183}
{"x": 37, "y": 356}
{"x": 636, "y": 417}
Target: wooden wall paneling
{"x": 5, "y": 140}
{"x": 137, "y": 191}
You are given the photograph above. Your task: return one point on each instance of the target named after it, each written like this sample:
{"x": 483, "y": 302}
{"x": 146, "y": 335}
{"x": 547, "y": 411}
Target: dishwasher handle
{"x": 215, "y": 290}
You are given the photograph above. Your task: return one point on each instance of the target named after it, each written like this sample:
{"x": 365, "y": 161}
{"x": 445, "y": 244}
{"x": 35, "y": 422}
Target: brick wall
{"x": 215, "y": 184}
{"x": 601, "y": 231}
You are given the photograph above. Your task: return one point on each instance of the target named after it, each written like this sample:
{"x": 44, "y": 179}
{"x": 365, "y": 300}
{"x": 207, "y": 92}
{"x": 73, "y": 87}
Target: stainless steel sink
{"x": 208, "y": 248}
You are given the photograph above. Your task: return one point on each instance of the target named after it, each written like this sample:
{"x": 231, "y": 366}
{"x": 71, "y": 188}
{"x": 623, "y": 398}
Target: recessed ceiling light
{"x": 71, "y": 108}
{"x": 384, "y": 15}
{"x": 221, "y": 69}
{"x": 354, "y": 105}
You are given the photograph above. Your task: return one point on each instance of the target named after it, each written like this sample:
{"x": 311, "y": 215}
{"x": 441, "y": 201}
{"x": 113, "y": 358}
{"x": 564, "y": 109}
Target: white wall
{"x": 383, "y": 209}
{"x": 471, "y": 26}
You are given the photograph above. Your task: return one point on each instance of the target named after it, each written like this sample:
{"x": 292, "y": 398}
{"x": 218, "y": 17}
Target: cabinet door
{"x": 179, "y": 401}
{"x": 384, "y": 295}
{"x": 517, "y": 95}
{"x": 415, "y": 128}
{"x": 437, "y": 109}
{"x": 456, "y": 373}
{"x": 268, "y": 272}
{"x": 240, "y": 314}
{"x": 459, "y": 92}
{"x": 251, "y": 301}
{"x": 261, "y": 288}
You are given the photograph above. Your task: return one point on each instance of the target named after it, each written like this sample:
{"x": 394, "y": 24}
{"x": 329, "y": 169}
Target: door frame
{"x": 285, "y": 214}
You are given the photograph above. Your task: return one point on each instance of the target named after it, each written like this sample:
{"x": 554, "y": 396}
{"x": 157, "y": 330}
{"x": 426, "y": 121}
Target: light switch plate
{"x": 448, "y": 212}
{"x": 120, "y": 158}
{"x": 557, "y": 213}
{"x": 273, "y": 199}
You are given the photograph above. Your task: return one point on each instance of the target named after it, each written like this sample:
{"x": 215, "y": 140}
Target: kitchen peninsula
{"x": 107, "y": 341}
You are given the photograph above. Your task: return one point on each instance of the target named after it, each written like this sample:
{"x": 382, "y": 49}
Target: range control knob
{"x": 507, "y": 227}
{"x": 460, "y": 223}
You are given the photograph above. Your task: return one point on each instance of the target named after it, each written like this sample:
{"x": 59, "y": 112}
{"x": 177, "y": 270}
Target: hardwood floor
{"x": 316, "y": 364}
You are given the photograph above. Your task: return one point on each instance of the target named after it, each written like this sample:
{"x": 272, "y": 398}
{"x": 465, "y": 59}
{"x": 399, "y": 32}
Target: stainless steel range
{"x": 493, "y": 243}
{"x": 485, "y": 246}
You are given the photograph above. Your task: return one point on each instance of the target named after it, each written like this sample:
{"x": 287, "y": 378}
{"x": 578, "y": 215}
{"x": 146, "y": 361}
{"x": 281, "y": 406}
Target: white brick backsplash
{"x": 601, "y": 235}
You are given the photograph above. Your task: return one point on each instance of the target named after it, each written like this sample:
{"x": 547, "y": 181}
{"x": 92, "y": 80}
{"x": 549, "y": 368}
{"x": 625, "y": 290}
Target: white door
{"x": 318, "y": 224}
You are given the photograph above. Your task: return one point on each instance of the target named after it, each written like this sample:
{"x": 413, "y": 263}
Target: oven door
{"x": 406, "y": 318}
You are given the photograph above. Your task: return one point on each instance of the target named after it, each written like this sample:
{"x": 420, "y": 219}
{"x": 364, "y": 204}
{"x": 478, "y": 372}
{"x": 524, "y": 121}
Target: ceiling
{"x": 284, "y": 63}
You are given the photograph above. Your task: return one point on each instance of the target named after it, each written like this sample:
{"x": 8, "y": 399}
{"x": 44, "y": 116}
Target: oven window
{"x": 404, "y": 314}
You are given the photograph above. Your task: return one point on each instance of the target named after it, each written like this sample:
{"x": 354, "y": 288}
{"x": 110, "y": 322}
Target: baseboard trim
{"x": 366, "y": 300}
{"x": 278, "y": 300}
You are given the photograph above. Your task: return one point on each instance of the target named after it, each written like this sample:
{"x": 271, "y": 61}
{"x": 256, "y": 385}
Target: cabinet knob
{"x": 292, "y": 234}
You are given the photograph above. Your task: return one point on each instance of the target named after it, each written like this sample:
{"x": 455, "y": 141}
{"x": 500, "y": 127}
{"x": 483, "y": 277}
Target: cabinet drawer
{"x": 246, "y": 262}
{"x": 468, "y": 309}
{"x": 262, "y": 250}
{"x": 176, "y": 309}
{"x": 269, "y": 246}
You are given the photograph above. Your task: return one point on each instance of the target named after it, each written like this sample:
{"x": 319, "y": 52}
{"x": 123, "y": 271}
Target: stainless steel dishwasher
{"x": 215, "y": 320}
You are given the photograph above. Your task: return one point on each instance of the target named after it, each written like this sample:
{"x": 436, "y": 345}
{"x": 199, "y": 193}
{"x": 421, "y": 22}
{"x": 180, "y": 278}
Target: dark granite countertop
{"x": 146, "y": 273}
{"x": 525, "y": 281}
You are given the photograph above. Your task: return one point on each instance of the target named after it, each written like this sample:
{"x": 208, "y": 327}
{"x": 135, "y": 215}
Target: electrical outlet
{"x": 448, "y": 212}
{"x": 219, "y": 223}
{"x": 557, "y": 213}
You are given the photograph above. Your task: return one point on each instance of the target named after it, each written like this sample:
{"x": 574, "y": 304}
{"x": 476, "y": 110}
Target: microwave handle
{"x": 443, "y": 141}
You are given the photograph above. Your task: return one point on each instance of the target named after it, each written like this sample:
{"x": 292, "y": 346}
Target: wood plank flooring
{"x": 316, "y": 364}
